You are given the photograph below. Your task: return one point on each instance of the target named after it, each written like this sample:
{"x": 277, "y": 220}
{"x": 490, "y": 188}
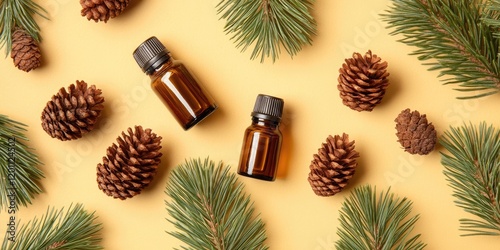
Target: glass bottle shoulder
{"x": 170, "y": 65}
{"x": 264, "y": 127}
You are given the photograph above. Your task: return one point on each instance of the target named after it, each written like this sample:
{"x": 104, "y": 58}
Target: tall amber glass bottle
{"x": 262, "y": 140}
{"x": 172, "y": 82}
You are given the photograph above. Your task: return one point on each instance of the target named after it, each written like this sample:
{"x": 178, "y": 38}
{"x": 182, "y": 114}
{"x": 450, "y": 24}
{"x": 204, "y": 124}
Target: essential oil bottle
{"x": 172, "y": 82}
{"x": 262, "y": 140}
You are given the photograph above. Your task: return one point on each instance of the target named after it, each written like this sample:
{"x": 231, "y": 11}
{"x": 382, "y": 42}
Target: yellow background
{"x": 101, "y": 54}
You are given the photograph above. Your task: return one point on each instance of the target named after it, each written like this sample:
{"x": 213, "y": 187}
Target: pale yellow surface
{"x": 296, "y": 219}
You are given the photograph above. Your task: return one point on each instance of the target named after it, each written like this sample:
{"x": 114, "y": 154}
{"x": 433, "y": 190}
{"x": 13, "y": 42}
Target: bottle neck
{"x": 265, "y": 122}
{"x": 160, "y": 65}
{"x": 161, "y": 69}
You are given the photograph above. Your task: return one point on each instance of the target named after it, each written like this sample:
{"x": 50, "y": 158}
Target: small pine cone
{"x": 415, "y": 133}
{"x": 102, "y": 10}
{"x": 333, "y": 166}
{"x": 71, "y": 114}
{"x": 25, "y": 50}
{"x": 130, "y": 166}
{"x": 363, "y": 81}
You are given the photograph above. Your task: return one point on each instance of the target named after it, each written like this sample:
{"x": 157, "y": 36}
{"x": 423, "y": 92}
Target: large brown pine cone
{"x": 102, "y": 10}
{"x": 363, "y": 81}
{"x": 415, "y": 133}
{"x": 25, "y": 50}
{"x": 130, "y": 166}
{"x": 71, "y": 114}
{"x": 333, "y": 166}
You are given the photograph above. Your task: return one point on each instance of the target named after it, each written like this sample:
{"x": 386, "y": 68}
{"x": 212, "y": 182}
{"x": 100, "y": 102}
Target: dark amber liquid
{"x": 180, "y": 92}
{"x": 260, "y": 151}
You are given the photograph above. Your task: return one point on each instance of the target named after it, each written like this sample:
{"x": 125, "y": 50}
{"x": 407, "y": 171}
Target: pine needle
{"x": 368, "y": 223}
{"x": 472, "y": 168}
{"x": 493, "y": 17}
{"x": 19, "y": 172}
{"x": 210, "y": 210}
{"x": 268, "y": 25}
{"x": 15, "y": 13}
{"x": 452, "y": 36}
{"x": 74, "y": 229}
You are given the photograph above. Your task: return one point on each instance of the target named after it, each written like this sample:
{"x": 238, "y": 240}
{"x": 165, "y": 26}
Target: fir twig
{"x": 209, "y": 208}
{"x": 15, "y": 13}
{"x": 268, "y": 25}
{"x": 493, "y": 17}
{"x": 473, "y": 171}
{"x": 454, "y": 34}
{"x": 368, "y": 223}
{"x": 19, "y": 172}
{"x": 74, "y": 228}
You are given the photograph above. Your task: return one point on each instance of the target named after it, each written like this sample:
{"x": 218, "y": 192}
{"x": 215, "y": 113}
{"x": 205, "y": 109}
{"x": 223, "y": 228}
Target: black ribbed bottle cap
{"x": 268, "y": 107}
{"x": 151, "y": 54}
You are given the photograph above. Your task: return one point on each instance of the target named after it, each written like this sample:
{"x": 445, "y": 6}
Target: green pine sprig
{"x": 453, "y": 38}
{"x": 19, "y": 172}
{"x": 74, "y": 228}
{"x": 368, "y": 222}
{"x": 269, "y": 25}
{"x": 472, "y": 168}
{"x": 210, "y": 210}
{"x": 493, "y": 17}
{"x": 15, "y": 13}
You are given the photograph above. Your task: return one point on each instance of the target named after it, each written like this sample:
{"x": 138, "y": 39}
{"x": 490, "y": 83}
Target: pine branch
{"x": 74, "y": 229}
{"x": 268, "y": 25}
{"x": 19, "y": 172}
{"x": 15, "y": 13}
{"x": 493, "y": 17}
{"x": 371, "y": 224}
{"x": 473, "y": 171}
{"x": 210, "y": 209}
{"x": 454, "y": 35}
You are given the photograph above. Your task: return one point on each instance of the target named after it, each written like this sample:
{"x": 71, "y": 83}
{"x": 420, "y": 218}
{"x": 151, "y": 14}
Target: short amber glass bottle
{"x": 262, "y": 140}
{"x": 172, "y": 82}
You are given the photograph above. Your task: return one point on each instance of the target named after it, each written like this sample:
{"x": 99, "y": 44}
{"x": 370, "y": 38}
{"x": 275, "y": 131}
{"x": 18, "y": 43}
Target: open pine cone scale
{"x": 363, "y": 81}
{"x": 333, "y": 166}
{"x": 72, "y": 113}
{"x": 102, "y": 10}
{"x": 130, "y": 165}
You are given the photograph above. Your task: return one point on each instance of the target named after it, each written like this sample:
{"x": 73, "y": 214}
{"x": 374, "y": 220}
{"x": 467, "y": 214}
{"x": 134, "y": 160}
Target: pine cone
{"x": 71, "y": 114}
{"x": 333, "y": 166}
{"x": 25, "y": 50}
{"x": 102, "y": 10}
{"x": 415, "y": 133}
{"x": 130, "y": 166}
{"x": 363, "y": 81}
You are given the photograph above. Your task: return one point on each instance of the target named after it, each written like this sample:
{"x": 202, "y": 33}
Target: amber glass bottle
{"x": 174, "y": 84}
{"x": 262, "y": 140}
